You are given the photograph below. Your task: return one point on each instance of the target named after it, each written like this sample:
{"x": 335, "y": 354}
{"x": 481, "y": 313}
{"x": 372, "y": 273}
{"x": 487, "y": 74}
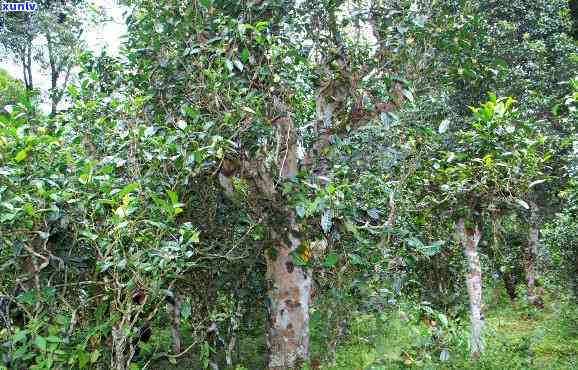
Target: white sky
{"x": 98, "y": 37}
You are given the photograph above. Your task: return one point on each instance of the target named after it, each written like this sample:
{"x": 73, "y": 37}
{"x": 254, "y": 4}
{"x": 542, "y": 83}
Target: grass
{"x": 517, "y": 337}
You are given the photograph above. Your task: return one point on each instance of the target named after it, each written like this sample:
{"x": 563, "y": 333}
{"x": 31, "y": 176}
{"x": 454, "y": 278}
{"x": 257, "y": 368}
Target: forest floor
{"x": 517, "y": 336}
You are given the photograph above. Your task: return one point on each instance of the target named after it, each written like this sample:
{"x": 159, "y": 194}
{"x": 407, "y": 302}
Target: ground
{"x": 517, "y": 337}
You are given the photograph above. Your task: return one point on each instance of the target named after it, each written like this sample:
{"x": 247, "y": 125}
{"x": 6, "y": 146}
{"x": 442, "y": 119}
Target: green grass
{"x": 517, "y": 337}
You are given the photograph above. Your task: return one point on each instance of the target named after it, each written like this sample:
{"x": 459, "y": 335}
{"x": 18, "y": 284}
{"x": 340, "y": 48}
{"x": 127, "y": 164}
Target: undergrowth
{"x": 517, "y": 336}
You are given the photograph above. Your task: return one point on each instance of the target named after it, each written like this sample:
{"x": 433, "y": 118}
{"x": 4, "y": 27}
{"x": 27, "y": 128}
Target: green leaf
{"x": 206, "y": 3}
{"x": 29, "y": 209}
{"x": 238, "y": 64}
{"x": 300, "y": 209}
{"x": 537, "y": 182}
{"x": 128, "y": 189}
{"x": 173, "y": 196}
{"x": 373, "y": 213}
{"x": 84, "y": 178}
{"x": 94, "y": 356}
{"x": 72, "y": 90}
{"x": 522, "y": 203}
{"x": 247, "y": 109}
{"x": 326, "y": 221}
{"x": 415, "y": 243}
{"x": 88, "y": 234}
{"x": 444, "y": 125}
{"x": 331, "y": 259}
{"x": 83, "y": 358}
{"x": 150, "y": 131}
{"x": 20, "y": 352}
{"x": 354, "y": 259}
{"x": 229, "y": 65}
{"x": 297, "y": 260}
{"x": 158, "y": 201}
{"x": 260, "y": 26}
{"x": 53, "y": 339}
{"x": 408, "y": 95}
{"x": 244, "y": 55}
{"x": 40, "y": 342}
{"x": 443, "y": 319}
{"x": 21, "y": 155}
{"x": 19, "y": 336}
{"x": 195, "y": 237}
{"x": 433, "y": 249}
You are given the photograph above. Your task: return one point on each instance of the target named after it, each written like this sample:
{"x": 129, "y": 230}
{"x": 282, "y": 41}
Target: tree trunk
{"x": 53, "y": 107}
{"x": 576, "y": 271}
{"x": 531, "y": 254}
{"x": 28, "y": 67}
{"x": 26, "y": 61}
{"x": 289, "y": 294}
{"x": 122, "y": 350}
{"x": 573, "y": 4}
{"x": 510, "y": 284}
{"x": 175, "y": 312}
{"x": 289, "y": 285}
{"x": 470, "y": 239}
{"x": 531, "y": 267}
{"x": 24, "y": 73}
{"x": 54, "y": 73}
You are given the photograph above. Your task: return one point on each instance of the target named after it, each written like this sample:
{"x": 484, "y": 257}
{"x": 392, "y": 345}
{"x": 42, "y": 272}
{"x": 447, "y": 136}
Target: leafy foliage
{"x": 355, "y": 135}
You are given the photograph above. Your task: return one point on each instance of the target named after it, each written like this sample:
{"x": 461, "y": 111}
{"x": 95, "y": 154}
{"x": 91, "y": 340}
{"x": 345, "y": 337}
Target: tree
{"x": 574, "y": 10}
{"x": 244, "y": 162}
{"x": 17, "y": 42}
{"x": 561, "y": 231}
{"x": 62, "y": 27}
{"x": 492, "y": 159}
{"x": 50, "y": 37}
{"x": 11, "y": 90}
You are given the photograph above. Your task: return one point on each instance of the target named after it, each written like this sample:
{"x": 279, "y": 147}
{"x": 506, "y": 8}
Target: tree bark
{"x": 26, "y": 62}
{"x": 175, "y": 312}
{"x": 575, "y": 271}
{"x": 573, "y": 4}
{"x": 289, "y": 294}
{"x": 289, "y": 285}
{"x": 470, "y": 239}
{"x": 54, "y": 74}
{"x": 531, "y": 255}
{"x": 24, "y": 73}
{"x": 122, "y": 350}
{"x": 510, "y": 284}
{"x": 30, "y": 85}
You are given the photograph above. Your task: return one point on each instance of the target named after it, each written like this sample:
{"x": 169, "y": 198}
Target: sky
{"x": 107, "y": 36}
